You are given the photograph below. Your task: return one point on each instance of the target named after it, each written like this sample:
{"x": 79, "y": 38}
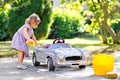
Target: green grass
{"x": 91, "y": 45}
{"x": 5, "y": 49}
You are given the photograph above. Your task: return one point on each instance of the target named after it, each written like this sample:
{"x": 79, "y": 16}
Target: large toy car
{"x": 57, "y": 54}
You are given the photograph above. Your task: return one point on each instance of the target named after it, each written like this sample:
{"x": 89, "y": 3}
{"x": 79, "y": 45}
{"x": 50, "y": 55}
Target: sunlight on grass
{"x": 72, "y": 41}
{"x": 82, "y": 41}
{"x": 93, "y": 45}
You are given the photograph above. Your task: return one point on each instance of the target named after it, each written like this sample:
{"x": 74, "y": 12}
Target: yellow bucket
{"x": 102, "y": 63}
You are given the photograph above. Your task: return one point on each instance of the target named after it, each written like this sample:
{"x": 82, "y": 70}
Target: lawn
{"x": 90, "y": 45}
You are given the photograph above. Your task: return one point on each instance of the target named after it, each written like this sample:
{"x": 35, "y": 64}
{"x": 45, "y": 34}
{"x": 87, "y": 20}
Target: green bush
{"x": 66, "y": 23}
{"x": 3, "y": 23}
{"x": 116, "y": 26}
{"x": 23, "y": 8}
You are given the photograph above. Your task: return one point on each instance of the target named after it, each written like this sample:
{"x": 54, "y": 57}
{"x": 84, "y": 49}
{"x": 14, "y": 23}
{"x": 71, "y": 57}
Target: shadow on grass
{"x": 99, "y": 48}
{"x": 8, "y": 53}
{"x": 86, "y": 45}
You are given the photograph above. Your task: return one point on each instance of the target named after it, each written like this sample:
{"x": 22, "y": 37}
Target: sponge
{"x": 30, "y": 43}
{"x": 111, "y": 75}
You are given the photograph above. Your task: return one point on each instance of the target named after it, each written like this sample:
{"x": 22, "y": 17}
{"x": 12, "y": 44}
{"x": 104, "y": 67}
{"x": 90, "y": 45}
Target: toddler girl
{"x": 23, "y": 34}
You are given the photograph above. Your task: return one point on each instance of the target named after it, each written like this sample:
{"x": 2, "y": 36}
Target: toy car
{"x": 57, "y": 54}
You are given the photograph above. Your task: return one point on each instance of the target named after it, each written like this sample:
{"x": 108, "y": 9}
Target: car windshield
{"x": 60, "y": 45}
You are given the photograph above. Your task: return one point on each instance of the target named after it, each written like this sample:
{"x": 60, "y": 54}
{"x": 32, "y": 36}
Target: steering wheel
{"x": 59, "y": 40}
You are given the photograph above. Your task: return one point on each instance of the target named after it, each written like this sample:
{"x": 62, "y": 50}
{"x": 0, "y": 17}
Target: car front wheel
{"x": 50, "y": 65}
{"x": 34, "y": 60}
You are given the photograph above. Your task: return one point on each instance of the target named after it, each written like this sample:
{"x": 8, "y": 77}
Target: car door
{"x": 41, "y": 55}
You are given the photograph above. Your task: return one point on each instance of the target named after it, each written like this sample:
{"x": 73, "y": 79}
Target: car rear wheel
{"x": 82, "y": 66}
{"x": 34, "y": 60}
{"x": 50, "y": 65}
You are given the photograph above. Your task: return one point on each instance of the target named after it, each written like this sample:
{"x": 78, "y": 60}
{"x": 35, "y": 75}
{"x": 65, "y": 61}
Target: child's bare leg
{"x": 20, "y": 60}
{"x": 20, "y": 57}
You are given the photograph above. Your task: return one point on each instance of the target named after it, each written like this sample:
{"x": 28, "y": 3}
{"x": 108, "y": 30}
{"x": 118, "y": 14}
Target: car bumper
{"x": 67, "y": 63}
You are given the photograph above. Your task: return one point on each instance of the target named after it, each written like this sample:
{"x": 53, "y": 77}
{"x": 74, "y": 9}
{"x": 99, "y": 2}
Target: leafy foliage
{"x": 104, "y": 12}
{"x": 66, "y": 24}
{"x": 3, "y": 22}
{"x": 116, "y": 26}
{"x": 23, "y": 8}
{"x": 67, "y": 21}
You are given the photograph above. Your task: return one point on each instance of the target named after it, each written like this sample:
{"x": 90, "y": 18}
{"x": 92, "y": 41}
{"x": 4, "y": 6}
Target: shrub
{"x": 66, "y": 23}
{"x": 23, "y": 8}
{"x": 4, "y": 35}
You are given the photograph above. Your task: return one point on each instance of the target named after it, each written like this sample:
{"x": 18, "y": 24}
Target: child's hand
{"x": 30, "y": 42}
{"x": 38, "y": 46}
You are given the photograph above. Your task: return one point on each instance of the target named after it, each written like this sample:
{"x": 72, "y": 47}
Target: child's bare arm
{"x": 34, "y": 38}
{"x": 25, "y": 33}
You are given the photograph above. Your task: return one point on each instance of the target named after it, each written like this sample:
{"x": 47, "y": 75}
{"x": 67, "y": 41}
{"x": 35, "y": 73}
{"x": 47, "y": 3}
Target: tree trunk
{"x": 104, "y": 35}
{"x": 111, "y": 32}
{"x": 104, "y": 7}
{"x": 102, "y": 30}
{"x": 118, "y": 35}
{"x": 108, "y": 28}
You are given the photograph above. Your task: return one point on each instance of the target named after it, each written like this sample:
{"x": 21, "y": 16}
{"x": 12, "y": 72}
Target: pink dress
{"x": 19, "y": 41}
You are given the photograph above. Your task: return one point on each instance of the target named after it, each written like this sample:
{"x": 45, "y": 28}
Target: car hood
{"x": 70, "y": 51}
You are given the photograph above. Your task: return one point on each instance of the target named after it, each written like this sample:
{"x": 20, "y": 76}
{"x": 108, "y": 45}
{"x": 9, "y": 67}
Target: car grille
{"x": 73, "y": 58}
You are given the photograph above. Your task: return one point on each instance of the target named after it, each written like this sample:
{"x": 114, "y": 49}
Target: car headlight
{"x": 60, "y": 56}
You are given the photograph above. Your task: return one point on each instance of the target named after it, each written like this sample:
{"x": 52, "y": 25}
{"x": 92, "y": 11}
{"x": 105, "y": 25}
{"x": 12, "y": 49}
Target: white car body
{"x": 61, "y": 54}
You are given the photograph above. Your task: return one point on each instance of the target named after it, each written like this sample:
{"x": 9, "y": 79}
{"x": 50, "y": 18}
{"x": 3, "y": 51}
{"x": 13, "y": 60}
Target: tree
{"x": 67, "y": 20}
{"x": 3, "y": 2}
{"x": 104, "y": 11}
{"x": 21, "y": 9}
{"x": 4, "y": 9}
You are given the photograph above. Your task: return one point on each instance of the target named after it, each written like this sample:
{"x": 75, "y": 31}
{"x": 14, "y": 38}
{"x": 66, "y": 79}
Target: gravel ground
{"x": 8, "y": 71}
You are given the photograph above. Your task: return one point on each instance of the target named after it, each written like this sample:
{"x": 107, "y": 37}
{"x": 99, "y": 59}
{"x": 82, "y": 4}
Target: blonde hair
{"x": 32, "y": 17}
